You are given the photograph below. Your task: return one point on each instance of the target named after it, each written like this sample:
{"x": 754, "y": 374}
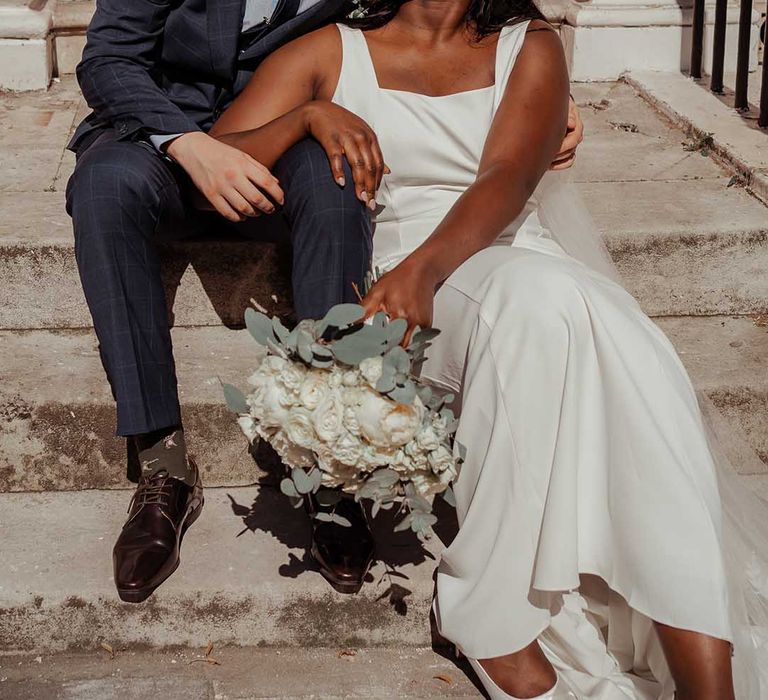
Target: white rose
{"x": 273, "y": 410}
{"x": 426, "y": 484}
{"x": 427, "y": 439}
{"x": 292, "y": 376}
{"x": 335, "y": 377}
{"x": 351, "y": 378}
{"x": 328, "y": 419}
{"x": 347, "y": 449}
{"x": 299, "y": 428}
{"x": 273, "y": 364}
{"x": 441, "y": 459}
{"x": 350, "y": 421}
{"x": 313, "y": 390}
{"x": 386, "y": 423}
{"x": 291, "y": 454}
{"x": 371, "y": 369}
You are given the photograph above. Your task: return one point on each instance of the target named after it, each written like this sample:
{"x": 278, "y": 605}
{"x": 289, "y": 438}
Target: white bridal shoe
{"x": 556, "y": 692}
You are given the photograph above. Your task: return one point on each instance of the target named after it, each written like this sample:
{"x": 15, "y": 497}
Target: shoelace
{"x": 152, "y": 491}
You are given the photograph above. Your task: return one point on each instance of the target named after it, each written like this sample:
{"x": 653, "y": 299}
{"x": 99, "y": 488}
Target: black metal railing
{"x": 741, "y": 99}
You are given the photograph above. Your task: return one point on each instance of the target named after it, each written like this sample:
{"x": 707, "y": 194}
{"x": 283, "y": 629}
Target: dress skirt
{"x": 588, "y": 503}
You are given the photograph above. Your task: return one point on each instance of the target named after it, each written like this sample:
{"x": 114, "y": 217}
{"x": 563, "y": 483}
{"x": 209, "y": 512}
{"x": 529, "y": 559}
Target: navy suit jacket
{"x": 171, "y": 66}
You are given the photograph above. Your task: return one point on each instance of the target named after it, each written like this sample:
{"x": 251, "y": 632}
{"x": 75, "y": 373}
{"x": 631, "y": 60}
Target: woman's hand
{"x": 406, "y": 292}
{"x": 342, "y": 133}
{"x": 573, "y": 137}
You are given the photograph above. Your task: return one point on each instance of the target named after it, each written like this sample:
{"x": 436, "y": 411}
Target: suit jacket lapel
{"x": 225, "y": 20}
{"x": 312, "y": 18}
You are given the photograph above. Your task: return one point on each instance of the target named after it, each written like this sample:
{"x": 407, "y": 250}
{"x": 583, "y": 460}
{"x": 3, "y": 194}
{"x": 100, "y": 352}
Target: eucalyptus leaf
{"x": 302, "y": 481}
{"x": 396, "y": 332}
{"x": 355, "y": 347}
{"x": 280, "y": 331}
{"x": 343, "y": 315}
{"x": 258, "y": 325}
{"x": 340, "y": 520}
{"x": 324, "y": 517}
{"x": 404, "y": 394}
{"x": 304, "y": 346}
{"x": 449, "y": 497}
{"x": 421, "y": 522}
{"x": 235, "y": 399}
{"x": 287, "y": 487}
{"x": 425, "y": 335}
{"x": 404, "y": 524}
{"x": 328, "y": 497}
{"x": 385, "y": 477}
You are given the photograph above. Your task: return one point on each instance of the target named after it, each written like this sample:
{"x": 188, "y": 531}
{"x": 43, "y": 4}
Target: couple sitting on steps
{"x": 591, "y": 558}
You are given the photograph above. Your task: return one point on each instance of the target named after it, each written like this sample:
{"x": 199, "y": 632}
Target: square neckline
{"x": 372, "y": 66}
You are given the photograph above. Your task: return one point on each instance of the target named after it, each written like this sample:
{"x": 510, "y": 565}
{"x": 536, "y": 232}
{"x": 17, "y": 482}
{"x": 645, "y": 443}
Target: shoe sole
{"x": 139, "y": 595}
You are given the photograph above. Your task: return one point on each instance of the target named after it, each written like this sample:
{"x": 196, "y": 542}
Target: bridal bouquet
{"x": 338, "y": 401}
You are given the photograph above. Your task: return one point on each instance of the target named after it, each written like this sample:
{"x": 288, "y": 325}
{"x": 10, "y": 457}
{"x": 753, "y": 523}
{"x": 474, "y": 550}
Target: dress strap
{"x": 510, "y": 42}
{"x": 357, "y": 72}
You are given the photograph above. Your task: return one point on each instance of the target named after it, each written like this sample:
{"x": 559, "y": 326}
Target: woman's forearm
{"x": 269, "y": 142}
{"x": 474, "y": 222}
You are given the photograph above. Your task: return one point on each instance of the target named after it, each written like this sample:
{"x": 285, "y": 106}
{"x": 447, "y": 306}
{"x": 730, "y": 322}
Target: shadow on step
{"x": 231, "y": 272}
{"x": 272, "y": 513}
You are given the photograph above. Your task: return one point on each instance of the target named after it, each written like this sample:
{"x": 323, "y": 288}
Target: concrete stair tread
{"x": 58, "y": 412}
{"x": 244, "y": 578}
{"x": 241, "y": 673}
{"x": 648, "y": 208}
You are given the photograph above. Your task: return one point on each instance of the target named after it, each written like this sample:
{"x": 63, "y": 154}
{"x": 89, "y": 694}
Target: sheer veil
{"x": 745, "y": 514}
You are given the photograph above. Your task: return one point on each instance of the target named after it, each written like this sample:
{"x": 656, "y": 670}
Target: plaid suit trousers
{"x": 123, "y": 198}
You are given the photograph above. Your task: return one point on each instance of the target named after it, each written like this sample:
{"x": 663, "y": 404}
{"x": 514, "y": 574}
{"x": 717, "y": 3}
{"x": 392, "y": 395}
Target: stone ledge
{"x": 57, "y": 414}
{"x": 695, "y": 109}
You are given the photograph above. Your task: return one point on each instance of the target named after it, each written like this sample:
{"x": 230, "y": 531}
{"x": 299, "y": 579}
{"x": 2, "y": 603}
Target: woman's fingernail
{"x": 364, "y": 196}
{"x": 341, "y": 181}
{"x": 372, "y": 204}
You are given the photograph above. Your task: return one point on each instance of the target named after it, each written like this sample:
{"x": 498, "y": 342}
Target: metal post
{"x": 742, "y": 59}
{"x": 762, "y": 120}
{"x": 697, "y": 38}
{"x": 718, "y": 45}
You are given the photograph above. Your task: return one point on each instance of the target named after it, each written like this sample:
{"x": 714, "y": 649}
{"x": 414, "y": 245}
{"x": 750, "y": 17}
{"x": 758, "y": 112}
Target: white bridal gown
{"x": 589, "y": 502}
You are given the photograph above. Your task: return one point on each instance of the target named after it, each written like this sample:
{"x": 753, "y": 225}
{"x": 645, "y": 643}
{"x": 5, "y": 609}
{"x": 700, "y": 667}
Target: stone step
{"x": 239, "y": 673}
{"x": 244, "y": 580}
{"x": 57, "y": 425}
{"x": 700, "y": 249}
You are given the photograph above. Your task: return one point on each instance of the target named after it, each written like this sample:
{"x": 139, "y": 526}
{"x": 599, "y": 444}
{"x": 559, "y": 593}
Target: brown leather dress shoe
{"x": 344, "y": 554}
{"x": 147, "y": 551}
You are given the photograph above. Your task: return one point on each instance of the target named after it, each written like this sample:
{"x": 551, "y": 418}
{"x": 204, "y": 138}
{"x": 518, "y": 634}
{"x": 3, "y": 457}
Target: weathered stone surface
{"x": 57, "y": 414}
{"x": 244, "y": 579}
{"x": 241, "y": 673}
{"x": 701, "y": 249}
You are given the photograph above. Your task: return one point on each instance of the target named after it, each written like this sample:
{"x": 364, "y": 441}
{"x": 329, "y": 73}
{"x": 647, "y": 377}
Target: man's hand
{"x": 342, "y": 133}
{"x": 573, "y": 137}
{"x": 229, "y": 179}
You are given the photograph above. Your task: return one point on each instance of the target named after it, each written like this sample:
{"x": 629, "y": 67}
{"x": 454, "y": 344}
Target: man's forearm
{"x": 269, "y": 142}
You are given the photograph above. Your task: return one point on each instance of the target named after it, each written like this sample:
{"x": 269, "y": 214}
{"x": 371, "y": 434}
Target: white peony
{"x": 313, "y": 390}
{"x": 328, "y": 418}
{"x": 371, "y": 369}
{"x": 350, "y": 421}
{"x": 299, "y": 428}
{"x": 386, "y": 423}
